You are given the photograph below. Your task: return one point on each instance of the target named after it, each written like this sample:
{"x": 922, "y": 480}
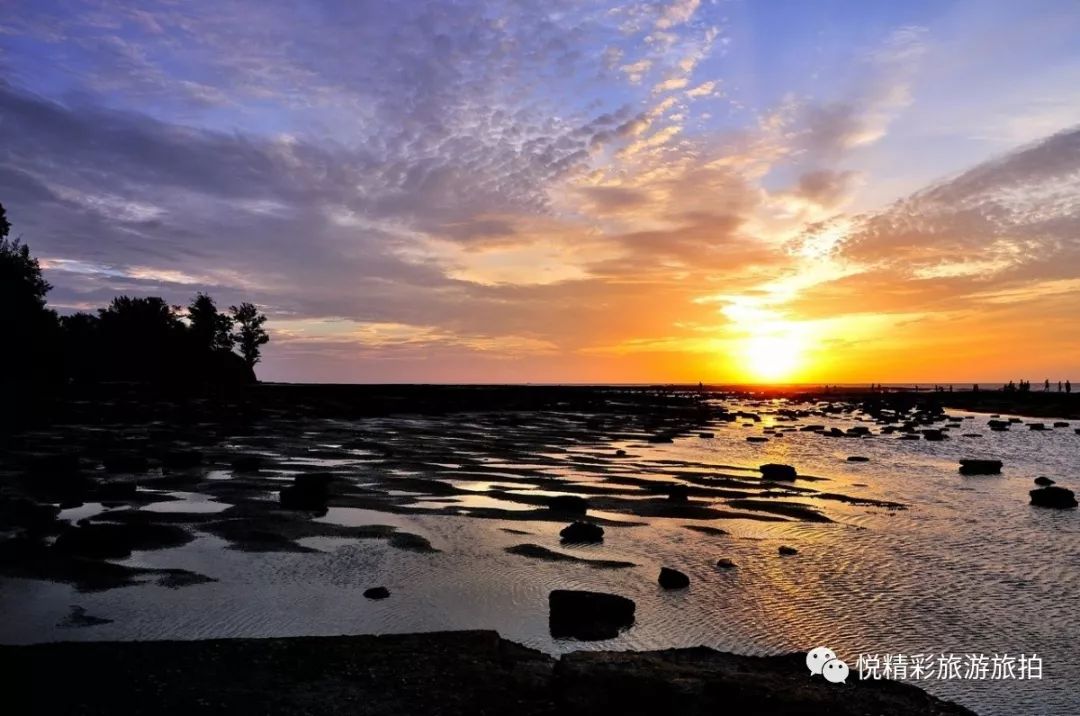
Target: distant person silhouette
{"x": 1068, "y": 387}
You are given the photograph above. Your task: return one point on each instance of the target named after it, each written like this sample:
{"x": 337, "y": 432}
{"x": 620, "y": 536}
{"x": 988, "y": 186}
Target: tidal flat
{"x": 269, "y": 514}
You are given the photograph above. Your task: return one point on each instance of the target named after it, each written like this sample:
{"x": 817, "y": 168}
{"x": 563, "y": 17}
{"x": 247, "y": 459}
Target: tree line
{"x": 141, "y": 339}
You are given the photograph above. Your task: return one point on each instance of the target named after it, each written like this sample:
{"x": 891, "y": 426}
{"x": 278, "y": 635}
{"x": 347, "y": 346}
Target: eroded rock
{"x": 588, "y": 616}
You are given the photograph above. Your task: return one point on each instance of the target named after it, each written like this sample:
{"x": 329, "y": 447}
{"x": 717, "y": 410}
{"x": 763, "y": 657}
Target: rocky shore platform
{"x": 465, "y": 672}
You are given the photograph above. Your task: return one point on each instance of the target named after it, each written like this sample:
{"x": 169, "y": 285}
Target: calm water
{"x": 969, "y": 567}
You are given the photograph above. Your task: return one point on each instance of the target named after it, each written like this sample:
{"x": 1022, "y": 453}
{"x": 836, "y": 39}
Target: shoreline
{"x": 462, "y": 672}
{"x": 118, "y": 402}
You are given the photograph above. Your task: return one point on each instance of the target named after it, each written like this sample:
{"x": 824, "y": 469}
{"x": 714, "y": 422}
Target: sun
{"x": 772, "y": 358}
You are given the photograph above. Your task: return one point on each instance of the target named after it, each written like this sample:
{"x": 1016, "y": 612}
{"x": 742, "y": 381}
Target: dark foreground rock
{"x": 584, "y": 532}
{"x": 588, "y": 616}
{"x": 377, "y": 593}
{"x": 672, "y": 579}
{"x": 308, "y": 492}
{"x": 116, "y": 541}
{"x": 1053, "y": 496}
{"x": 980, "y": 467}
{"x": 445, "y": 673}
{"x": 568, "y": 505}
{"x": 774, "y": 471}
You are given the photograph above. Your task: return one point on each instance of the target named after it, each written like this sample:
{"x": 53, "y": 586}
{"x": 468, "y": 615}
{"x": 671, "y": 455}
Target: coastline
{"x": 134, "y": 459}
{"x": 464, "y": 672}
{"x": 241, "y": 403}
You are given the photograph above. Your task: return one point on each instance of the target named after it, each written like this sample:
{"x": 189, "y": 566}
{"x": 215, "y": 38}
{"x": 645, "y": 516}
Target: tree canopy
{"x": 131, "y": 339}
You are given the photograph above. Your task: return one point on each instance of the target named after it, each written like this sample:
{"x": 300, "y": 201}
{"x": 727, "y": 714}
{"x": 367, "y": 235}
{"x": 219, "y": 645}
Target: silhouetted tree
{"x": 30, "y": 331}
{"x": 21, "y": 283}
{"x": 132, "y": 339}
{"x": 143, "y": 339}
{"x": 83, "y": 359}
{"x": 211, "y": 330}
{"x": 250, "y": 335}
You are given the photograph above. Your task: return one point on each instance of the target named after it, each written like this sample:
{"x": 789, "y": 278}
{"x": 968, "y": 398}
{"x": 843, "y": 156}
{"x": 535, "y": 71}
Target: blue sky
{"x": 560, "y": 190}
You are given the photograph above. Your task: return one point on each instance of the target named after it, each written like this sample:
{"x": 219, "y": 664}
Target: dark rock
{"x": 707, "y": 530}
{"x": 314, "y": 480}
{"x": 1053, "y": 496}
{"x": 309, "y": 491}
{"x": 787, "y": 551}
{"x": 535, "y": 551}
{"x": 78, "y": 618}
{"x": 588, "y": 616}
{"x": 116, "y": 490}
{"x": 1044, "y": 481}
{"x": 725, "y": 563}
{"x": 59, "y": 487}
{"x": 22, "y": 512}
{"x": 52, "y": 465}
{"x": 980, "y": 467}
{"x": 706, "y": 435}
{"x": 246, "y": 463}
{"x": 447, "y": 673}
{"x": 699, "y": 682}
{"x": 411, "y": 543}
{"x": 582, "y": 532}
{"x": 756, "y": 439}
{"x": 294, "y": 497}
{"x": 678, "y": 493}
{"x": 672, "y": 579}
{"x": 568, "y": 504}
{"x": 620, "y": 453}
{"x": 935, "y": 435}
{"x": 857, "y": 458}
{"x": 775, "y": 471}
{"x": 661, "y": 438}
{"x": 377, "y": 593}
{"x": 1036, "y": 426}
{"x": 96, "y": 541}
{"x": 126, "y": 462}
{"x": 181, "y": 459}
{"x": 113, "y": 541}
{"x": 1061, "y": 424}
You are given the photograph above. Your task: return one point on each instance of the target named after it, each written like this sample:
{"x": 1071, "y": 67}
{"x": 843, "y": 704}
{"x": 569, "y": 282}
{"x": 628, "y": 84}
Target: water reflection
{"x": 969, "y": 566}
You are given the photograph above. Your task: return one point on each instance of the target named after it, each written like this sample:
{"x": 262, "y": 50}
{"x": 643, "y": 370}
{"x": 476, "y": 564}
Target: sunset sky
{"x": 557, "y": 191}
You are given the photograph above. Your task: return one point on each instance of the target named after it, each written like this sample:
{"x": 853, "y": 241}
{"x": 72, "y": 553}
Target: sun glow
{"x": 772, "y": 357}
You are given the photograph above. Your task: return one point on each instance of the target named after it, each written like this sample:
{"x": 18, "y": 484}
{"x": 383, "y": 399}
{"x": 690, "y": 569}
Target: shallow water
{"x": 968, "y": 567}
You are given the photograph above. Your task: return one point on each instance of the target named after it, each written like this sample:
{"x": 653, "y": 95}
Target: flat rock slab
{"x": 471, "y": 672}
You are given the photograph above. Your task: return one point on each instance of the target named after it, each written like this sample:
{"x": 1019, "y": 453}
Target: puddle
{"x": 188, "y": 502}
